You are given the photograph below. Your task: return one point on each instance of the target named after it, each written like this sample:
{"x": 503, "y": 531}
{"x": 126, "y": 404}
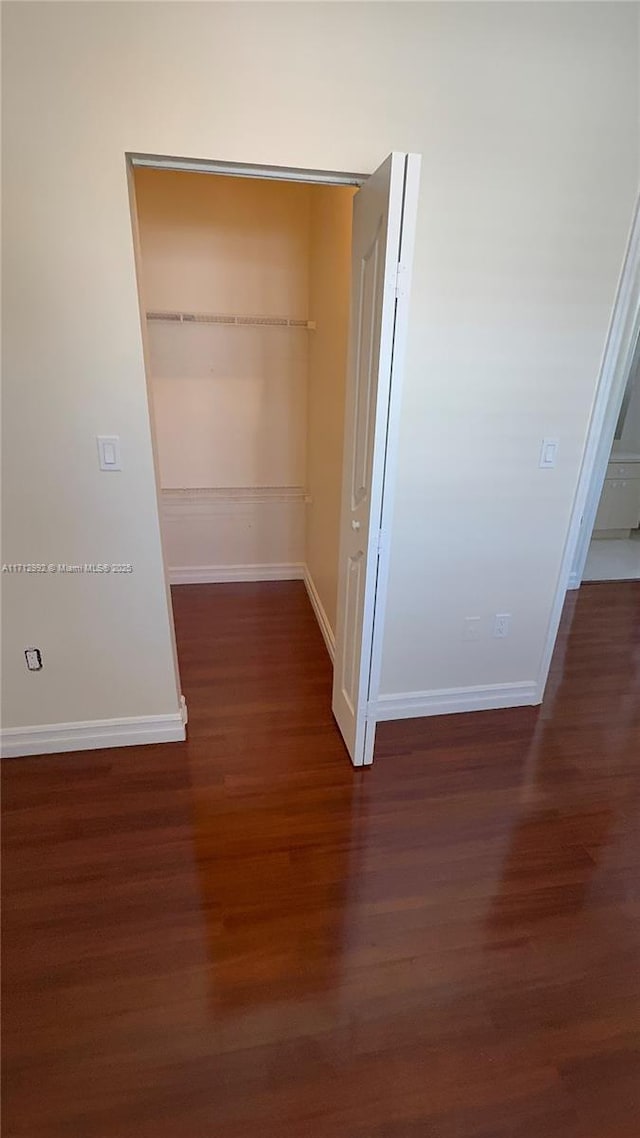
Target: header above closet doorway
{"x": 241, "y": 170}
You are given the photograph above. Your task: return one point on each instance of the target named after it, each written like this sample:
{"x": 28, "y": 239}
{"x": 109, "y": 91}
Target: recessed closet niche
{"x": 245, "y": 293}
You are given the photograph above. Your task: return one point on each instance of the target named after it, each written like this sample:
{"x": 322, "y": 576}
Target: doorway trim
{"x": 622, "y": 334}
{"x": 616, "y": 364}
{"x": 390, "y": 449}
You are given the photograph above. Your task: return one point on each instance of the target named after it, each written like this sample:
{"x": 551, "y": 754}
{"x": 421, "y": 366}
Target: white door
{"x": 384, "y": 212}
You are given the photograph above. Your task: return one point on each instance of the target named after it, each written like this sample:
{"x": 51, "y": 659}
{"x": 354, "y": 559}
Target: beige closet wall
{"x": 229, "y": 403}
{"x": 329, "y": 284}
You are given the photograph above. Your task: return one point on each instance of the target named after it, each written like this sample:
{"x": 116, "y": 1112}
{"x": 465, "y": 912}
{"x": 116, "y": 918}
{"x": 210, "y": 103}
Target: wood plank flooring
{"x": 241, "y": 937}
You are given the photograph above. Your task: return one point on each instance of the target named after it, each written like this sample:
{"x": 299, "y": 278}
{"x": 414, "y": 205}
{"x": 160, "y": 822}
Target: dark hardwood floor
{"x": 241, "y": 937}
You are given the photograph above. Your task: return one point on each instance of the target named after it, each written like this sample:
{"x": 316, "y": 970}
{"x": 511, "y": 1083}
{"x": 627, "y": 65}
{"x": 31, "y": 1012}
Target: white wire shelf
{"x": 237, "y": 321}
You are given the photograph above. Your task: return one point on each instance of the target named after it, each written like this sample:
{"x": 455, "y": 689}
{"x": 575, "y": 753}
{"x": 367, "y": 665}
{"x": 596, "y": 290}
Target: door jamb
{"x": 614, "y": 371}
{"x": 407, "y": 240}
{"x": 137, "y": 260}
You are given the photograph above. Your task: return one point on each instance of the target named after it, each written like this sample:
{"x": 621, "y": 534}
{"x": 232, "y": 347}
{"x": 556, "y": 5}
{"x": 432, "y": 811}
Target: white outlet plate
{"x": 502, "y": 625}
{"x": 34, "y": 659}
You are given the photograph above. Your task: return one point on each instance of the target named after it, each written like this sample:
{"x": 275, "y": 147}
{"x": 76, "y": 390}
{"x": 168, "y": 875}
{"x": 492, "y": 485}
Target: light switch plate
{"x": 471, "y": 628}
{"x": 109, "y": 452}
{"x": 549, "y": 453}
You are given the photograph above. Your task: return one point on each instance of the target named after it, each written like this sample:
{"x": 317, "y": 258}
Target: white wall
{"x": 329, "y": 292}
{"x": 526, "y": 115}
{"x": 229, "y": 403}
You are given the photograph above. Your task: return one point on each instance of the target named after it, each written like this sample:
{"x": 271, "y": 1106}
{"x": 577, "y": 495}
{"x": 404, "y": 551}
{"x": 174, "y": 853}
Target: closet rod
{"x": 231, "y": 320}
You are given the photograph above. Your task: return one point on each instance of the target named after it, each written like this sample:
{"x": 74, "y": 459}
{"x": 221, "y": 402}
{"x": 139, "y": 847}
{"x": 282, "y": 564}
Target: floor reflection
{"x": 275, "y": 883}
{"x": 572, "y": 800}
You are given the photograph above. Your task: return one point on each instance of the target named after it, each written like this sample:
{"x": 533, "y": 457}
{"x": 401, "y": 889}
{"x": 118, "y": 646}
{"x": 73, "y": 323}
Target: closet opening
{"x": 255, "y": 389}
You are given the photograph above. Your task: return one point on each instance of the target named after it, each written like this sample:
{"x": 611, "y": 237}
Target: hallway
{"x": 243, "y": 937}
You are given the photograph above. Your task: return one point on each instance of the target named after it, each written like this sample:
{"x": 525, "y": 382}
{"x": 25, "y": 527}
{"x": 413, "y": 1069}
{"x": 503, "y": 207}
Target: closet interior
{"x": 245, "y": 288}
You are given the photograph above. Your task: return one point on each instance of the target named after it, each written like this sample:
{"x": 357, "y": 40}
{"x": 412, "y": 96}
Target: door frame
{"x": 389, "y": 456}
{"x": 622, "y": 334}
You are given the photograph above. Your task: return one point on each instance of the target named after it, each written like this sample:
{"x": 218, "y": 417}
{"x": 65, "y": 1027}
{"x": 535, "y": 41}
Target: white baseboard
{"x": 218, "y": 574}
{"x": 446, "y": 701}
{"x": 92, "y": 734}
{"x": 321, "y": 616}
{"x": 574, "y": 581}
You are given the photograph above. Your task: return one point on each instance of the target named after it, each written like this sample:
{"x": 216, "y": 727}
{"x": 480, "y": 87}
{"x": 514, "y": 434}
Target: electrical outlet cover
{"x": 33, "y": 656}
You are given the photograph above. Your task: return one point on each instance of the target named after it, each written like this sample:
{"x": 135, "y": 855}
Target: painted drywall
{"x": 526, "y": 115}
{"x": 229, "y": 402}
{"x": 217, "y": 535}
{"x": 329, "y": 292}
